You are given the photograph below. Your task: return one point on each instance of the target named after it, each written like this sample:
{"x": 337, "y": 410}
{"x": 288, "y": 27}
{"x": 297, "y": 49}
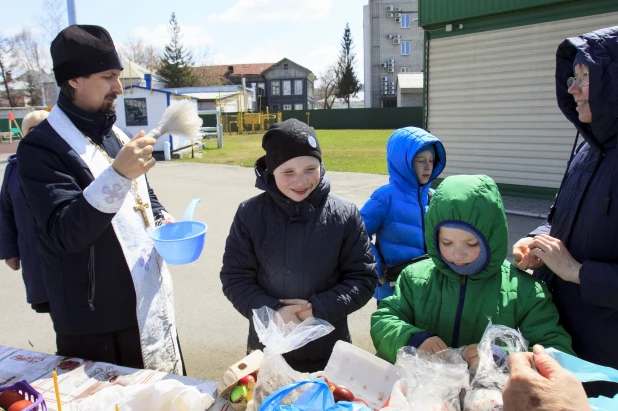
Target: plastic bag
{"x": 167, "y": 395}
{"x": 430, "y": 382}
{"x": 585, "y": 372}
{"x": 497, "y": 342}
{"x": 316, "y": 397}
{"x": 279, "y": 338}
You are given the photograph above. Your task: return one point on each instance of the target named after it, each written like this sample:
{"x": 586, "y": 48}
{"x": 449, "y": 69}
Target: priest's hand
{"x": 13, "y": 262}
{"x": 135, "y": 158}
{"x": 293, "y": 309}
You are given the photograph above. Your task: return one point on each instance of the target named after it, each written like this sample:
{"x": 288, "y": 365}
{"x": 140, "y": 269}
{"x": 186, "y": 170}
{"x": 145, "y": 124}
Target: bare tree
{"x": 29, "y": 58}
{"x": 143, "y": 54}
{"x": 327, "y": 87}
{"x": 54, "y": 18}
{"x": 6, "y": 68}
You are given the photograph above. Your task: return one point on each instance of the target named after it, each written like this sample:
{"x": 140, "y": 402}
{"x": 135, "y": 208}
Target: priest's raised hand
{"x": 135, "y": 158}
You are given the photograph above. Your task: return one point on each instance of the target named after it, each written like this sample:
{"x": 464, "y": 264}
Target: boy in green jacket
{"x": 446, "y": 300}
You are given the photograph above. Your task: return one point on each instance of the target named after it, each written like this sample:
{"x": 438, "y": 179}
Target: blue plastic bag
{"x": 316, "y": 398}
{"x": 585, "y": 372}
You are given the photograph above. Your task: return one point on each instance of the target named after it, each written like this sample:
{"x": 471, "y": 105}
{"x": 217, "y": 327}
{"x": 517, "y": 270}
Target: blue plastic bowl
{"x": 181, "y": 242}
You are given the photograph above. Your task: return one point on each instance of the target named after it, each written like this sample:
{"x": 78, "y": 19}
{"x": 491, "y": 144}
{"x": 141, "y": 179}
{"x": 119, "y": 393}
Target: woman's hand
{"x": 554, "y": 254}
{"x": 522, "y": 258}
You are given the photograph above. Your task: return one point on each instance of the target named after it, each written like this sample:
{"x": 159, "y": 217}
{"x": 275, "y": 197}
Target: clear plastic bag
{"x": 497, "y": 343}
{"x": 279, "y": 338}
{"x": 430, "y": 382}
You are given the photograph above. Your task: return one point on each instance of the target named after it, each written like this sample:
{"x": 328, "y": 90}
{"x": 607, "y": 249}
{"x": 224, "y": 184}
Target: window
{"x": 135, "y": 111}
{"x": 276, "y": 107}
{"x": 275, "y": 86}
{"x": 287, "y": 87}
{"x": 285, "y": 66}
{"x": 298, "y": 87}
{"x": 405, "y": 69}
{"x": 298, "y": 106}
{"x": 405, "y": 48}
{"x": 287, "y": 107}
{"x": 405, "y": 21}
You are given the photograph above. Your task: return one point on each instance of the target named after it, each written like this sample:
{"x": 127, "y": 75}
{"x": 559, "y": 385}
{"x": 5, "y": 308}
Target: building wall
{"x": 379, "y": 49}
{"x": 292, "y": 73}
{"x": 492, "y": 101}
{"x": 409, "y": 98}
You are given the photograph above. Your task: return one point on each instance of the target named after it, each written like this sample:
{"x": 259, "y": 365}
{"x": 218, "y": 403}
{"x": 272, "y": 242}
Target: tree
{"x": 53, "y": 18}
{"x": 28, "y": 55}
{"x": 143, "y": 54}
{"x": 176, "y": 62}
{"x": 327, "y": 87}
{"x": 348, "y": 84}
{"x": 5, "y": 68}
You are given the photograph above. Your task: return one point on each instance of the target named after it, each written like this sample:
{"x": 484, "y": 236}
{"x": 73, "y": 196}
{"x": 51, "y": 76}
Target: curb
{"x": 526, "y": 214}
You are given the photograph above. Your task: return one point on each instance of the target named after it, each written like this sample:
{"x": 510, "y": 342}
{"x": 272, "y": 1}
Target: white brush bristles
{"x": 179, "y": 119}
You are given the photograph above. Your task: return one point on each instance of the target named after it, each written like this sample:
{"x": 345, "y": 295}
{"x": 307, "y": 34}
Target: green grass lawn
{"x": 360, "y": 151}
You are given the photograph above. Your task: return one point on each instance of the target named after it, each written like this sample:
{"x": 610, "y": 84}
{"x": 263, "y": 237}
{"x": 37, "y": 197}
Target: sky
{"x": 307, "y": 32}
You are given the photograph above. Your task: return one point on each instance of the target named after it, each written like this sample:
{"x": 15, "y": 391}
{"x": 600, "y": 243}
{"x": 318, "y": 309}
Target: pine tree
{"x": 348, "y": 84}
{"x": 176, "y": 62}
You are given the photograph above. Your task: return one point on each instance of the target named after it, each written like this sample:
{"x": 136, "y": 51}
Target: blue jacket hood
{"x": 12, "y": 159}
{"x": 401, "y": 148}
{"x": 600, "y": 49}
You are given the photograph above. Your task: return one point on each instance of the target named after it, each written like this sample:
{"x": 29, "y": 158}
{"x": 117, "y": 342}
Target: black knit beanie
{"x": 80, "y": 50}
{"x": 288, "y": 139}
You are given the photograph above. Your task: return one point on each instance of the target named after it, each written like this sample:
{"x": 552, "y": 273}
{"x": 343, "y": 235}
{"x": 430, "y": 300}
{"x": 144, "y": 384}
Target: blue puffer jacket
{"x": 18, "y": 236}
{"x": 395, "y": 211}
{"x": 585, "y": 214}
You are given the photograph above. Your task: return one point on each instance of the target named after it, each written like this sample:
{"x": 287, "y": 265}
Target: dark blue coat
{"x": 585, "y": 214}
{"x": 83, "y": 257}
{"x": 316, "y": 250}
{"x": 18, "y": 235}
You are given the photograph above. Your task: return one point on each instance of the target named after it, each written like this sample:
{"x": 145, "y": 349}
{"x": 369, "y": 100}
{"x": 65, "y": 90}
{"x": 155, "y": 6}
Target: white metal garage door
{"x": 492, "y": 101}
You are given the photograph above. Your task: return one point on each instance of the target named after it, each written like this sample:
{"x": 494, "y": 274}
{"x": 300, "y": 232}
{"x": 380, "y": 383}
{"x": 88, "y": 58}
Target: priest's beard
{"x": 106, "y": 107}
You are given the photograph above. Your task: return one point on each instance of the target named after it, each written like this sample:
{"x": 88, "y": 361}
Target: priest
{"x": 85, "y": 181}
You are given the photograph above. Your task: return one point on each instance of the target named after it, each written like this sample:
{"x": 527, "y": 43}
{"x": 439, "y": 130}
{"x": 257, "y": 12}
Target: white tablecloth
{"x": 78, "y": 378}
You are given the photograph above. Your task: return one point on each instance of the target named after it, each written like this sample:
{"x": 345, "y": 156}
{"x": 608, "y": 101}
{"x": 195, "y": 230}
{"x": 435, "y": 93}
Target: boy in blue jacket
{"x": 395, "y": 212}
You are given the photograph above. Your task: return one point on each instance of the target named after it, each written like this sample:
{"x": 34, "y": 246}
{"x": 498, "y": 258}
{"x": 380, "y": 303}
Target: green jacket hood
{"x": 475, "y": 200}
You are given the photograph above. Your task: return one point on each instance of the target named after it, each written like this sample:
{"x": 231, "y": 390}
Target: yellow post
{"x": 241, "y": 127}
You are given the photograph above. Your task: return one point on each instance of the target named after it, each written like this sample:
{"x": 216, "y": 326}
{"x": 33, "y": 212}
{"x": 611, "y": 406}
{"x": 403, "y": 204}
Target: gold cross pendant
{"x": 141, "y": 207}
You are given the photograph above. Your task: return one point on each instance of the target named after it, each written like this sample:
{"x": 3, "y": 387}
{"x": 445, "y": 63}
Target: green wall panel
{"x": 360, "y": 118}
{"x": 564, "y": 10}
{"x": 445, "y": 11}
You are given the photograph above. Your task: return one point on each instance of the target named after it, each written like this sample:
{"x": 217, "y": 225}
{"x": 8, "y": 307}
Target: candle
{"x": 55, "y": 378}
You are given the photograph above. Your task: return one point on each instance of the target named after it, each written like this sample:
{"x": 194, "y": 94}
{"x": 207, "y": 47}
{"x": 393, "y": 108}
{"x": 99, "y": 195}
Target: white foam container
{"x": 369, "y": 377}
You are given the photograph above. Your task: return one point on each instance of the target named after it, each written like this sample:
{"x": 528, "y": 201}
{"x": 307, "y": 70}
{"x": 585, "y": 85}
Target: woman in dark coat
{"x": 18, "y": 235}
{"x": 576, "y": 250}
{"x": 296, "y": 248}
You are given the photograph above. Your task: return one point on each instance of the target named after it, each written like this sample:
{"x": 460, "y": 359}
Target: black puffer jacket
{"x": 317, "y": 250}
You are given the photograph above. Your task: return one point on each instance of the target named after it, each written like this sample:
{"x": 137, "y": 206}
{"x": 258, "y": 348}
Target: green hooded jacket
{"x": 431, "y": 299}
